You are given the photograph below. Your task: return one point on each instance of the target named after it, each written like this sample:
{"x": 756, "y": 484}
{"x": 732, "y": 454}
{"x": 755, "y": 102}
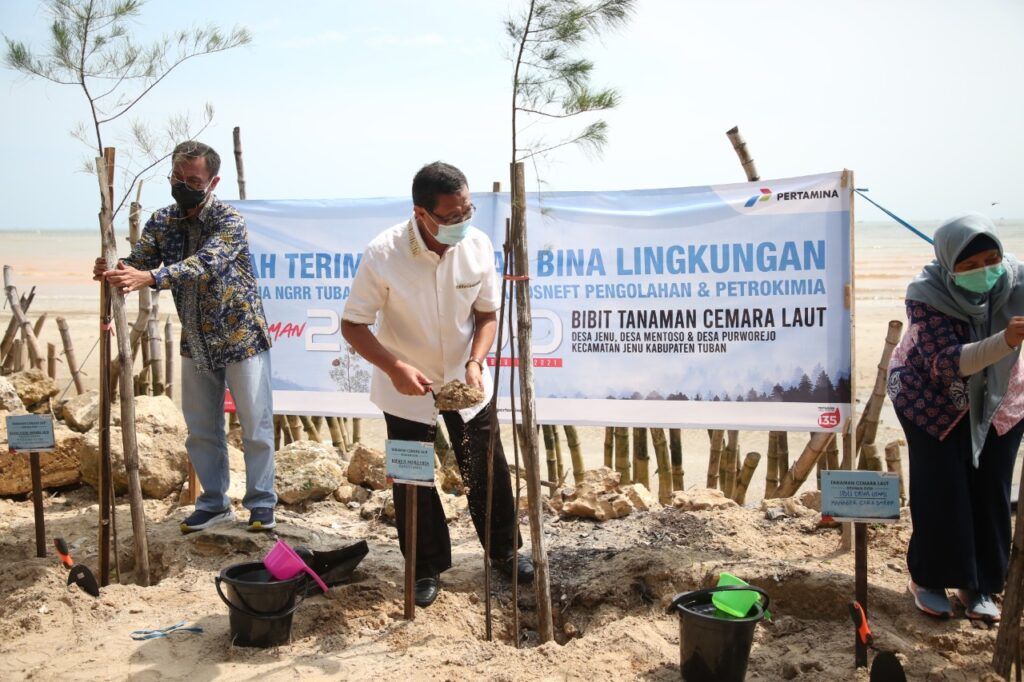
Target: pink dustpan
{"x": 284, "y": 564}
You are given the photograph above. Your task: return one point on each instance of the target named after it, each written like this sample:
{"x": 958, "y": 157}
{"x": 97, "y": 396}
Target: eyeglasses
{"x": 461, "y": 218}
{"x": 191, "y": 183}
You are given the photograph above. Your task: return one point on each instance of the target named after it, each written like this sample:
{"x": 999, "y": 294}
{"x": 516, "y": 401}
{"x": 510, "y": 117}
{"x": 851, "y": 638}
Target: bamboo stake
{"x": 294, "y": 427}
{"x": 27, "y": 334}
{"x": 169, "y": 382}
{"x": 311, "y": 432}
{"x": 829, "y": 461}
{"x": 740, "y": 147}
{"x": 795, "y": 477}
{"x": 664, "y": 467}
{"x": 572, "y": 439}
{"x": 51, "y": 361}
{"x": 641, "y": 458}
{"x": 105, "y": 168}
{"x": 357, "y": 430}
{"x": 771, "y": 476}
{"x": 867, "y": 427}
{"x": 715, "y": 457}
{"x": 143, "y": 376}
{"x": 18, "y": 356}
{"x": 675, "y": 446}
{"x": 894, "y": 463}
{"x": 782, "y": 451}
{"x": 236, "y": 134}
{"x": 156, "y": 358}
{"x": 622, "y": 454}
{"x": 609, "y": 447}
{"x": 38, "y": 327}
{"x": 278, "y": 433}
{"x": 746, "y": 474}
{"x": 535, "y": 511}
{"x": 69, "y": 355}
{"x": 12, "y": 325}
{"x": 549, "y": 451}
{"x": 336, "y": 440}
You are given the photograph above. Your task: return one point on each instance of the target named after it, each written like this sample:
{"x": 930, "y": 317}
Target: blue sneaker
{"x": 201, "y": 520}
{"x": 261, "y": 518}
{"x": 978, "y": 606}
{"x": 933, "y": 602}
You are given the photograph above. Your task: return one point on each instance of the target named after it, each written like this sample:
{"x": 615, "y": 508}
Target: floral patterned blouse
{"x": 925, "y": 385}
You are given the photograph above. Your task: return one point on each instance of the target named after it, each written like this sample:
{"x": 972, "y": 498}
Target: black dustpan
{"x": 80, "y": 574}
{"x": 337, "y": 565}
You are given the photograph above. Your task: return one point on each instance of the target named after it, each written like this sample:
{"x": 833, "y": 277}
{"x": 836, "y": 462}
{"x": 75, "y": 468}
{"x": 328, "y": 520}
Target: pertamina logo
{"x": 765, "y": 195}
{"x": 828, "y": 418}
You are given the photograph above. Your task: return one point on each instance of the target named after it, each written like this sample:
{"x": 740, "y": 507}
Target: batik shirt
{"x": 211, "y": 280}
{"x": 925, "y": 385}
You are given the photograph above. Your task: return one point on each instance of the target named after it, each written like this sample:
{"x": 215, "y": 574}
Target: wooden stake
{"x": 37, "y": 328}
{"x": 739, "y": 494}
{"x": 622, "y": 454}
{"x": 894, "y": 463}
{"x": 740, "y": 147}
{"x": 37, "y": 503}
{"x": 156, "y": 347}
{"x": 105, "y": 168}
{"x": 12, "y": 326}
{"x": 336, "y": 439}
{"x": 169, "y": 352}
{"x": 771, "y": 477}
{"x": 18, "y": 356}
{"x": 861, "y": 586}
{"x": 69, "y": 355}
{"x": 867, "y": 427}
{"x": 357, "y": 430}
{"x": 782, "y": 452}
{"x": 609, "y": 446}
{"x": 664, "y": 467}
{"x": 575, "y": 452}
{"x": 641, "y": 458}
{"x": 311, "y": 431}
{"x": 410, "y": 552}
{"x": 28, "y": 336}
{"x": 675, "y": 446}
{"x": 715, "y": 457}
{"x": 795, "y": 477}
{"x": 535, "y": 511}
{"x": 1007, "y": 650}
{"x": 51, "y": 361}
{"x": 236, "y": 134}
{"x": 547, "y": 432}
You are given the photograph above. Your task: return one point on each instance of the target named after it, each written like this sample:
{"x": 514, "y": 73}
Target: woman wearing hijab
{"x": 958, "y": 391}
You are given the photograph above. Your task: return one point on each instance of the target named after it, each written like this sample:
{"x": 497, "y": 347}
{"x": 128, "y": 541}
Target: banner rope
{"x": 895, "y": 217}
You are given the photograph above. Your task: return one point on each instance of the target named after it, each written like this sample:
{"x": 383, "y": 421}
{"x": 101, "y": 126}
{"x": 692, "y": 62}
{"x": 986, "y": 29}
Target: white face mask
{"x": 450, "y": 235}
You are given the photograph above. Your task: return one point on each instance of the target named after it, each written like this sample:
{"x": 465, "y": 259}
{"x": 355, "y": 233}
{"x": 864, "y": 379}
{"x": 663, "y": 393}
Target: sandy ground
{"x": 610, "y": 582}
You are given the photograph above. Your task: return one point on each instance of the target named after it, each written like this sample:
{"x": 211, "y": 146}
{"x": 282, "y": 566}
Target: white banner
{"x": 701, "y": 307}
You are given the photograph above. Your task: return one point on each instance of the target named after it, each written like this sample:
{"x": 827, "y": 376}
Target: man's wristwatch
{"x": 479, "y": 363}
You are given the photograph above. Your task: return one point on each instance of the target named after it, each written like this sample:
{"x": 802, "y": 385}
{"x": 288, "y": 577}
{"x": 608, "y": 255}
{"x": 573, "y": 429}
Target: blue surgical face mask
{"x": 450, "y": 235}
{"x": 980, "y": 280}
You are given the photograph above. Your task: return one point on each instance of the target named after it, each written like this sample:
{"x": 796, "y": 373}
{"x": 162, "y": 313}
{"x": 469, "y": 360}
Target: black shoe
{"x": 426, "y": 590}
{"x": 261, "y": 518}
{"x": 201, "y": 519}
{"x": 523, "y": 564}
{"x": 336, "y": 566}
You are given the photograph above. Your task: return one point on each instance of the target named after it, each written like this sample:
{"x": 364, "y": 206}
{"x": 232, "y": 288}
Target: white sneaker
{"x": 978, "y": 606}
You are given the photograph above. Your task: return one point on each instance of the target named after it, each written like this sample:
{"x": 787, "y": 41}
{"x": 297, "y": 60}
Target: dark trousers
{"x": 961, "y": 515}
{"x": 470, "y": 441}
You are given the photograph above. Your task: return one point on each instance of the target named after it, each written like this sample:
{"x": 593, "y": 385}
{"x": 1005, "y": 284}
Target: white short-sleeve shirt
{"x": 424, "y": 304}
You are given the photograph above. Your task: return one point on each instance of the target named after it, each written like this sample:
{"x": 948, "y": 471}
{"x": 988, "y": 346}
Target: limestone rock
{"x": 307, "y": 470}
{"x": 366, "y": 467}
{"x": 701, "y": 498}
{"x": 811, "y": 499}
{"x": 597, "y": 496}
{"x": 60, "y": 467}
{"x": 9, "y": 400}
{"x": 33, "y": 387}
{"x": 350, "y": 492}
{"x": 640, "y": 497}
{"x": 453, "y": 505}
{"x": 82, "y": 412}
{"x": 788, "y": 506}
{"x": 160, "y": 432}
{"x": 380, "y": 506}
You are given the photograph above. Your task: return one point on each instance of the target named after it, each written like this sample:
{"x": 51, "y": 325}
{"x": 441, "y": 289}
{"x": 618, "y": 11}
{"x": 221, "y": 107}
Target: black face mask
{"x": 186, "y": 197}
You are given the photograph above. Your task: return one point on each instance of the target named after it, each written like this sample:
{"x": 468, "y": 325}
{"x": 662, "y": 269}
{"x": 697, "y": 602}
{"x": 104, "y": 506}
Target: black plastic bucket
{"x": 260, "y": 608}
{"x": 712, "y": 648}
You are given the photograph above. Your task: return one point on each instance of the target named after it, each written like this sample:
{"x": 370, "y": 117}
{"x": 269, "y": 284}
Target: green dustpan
{"x": 736, "y": 603}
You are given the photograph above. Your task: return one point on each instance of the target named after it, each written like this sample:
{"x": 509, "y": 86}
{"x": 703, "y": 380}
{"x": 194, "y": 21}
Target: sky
{"x": 344, "y": 99}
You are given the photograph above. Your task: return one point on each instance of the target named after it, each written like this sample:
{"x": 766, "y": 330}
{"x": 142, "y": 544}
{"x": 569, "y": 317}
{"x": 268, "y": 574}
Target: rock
{"x": 701, "y": 498}
{"x": 59, "y": 468}
{"x": 160, "y": 433}
{"x": 9, "y": 399}
{"x": 235, "y": 437}
{"x": 33, "y": 387}
{"x": 349, "y": 492}
{"x": 788, "y": 506}
{"x": 597, "y": 496}
{"x": 453, "y": 505}
{"x": 81, "y": 412}
{"x": 450, "y": 480}
{"x": 811, "y": 499}
{"x": 380, "y": 506}
{"x": 236, "y": 460}
{"x": 366, "y": 467}
{"x": 640, "y": 497}
{"x": 307, "y": 470}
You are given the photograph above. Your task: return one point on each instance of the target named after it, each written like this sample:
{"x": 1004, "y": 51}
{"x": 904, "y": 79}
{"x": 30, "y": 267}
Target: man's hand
{"x": 128, "y": 279}
{"x": 408, "y": 380}
{"x": 474, "y": 375}
{"x": 1014, "y": 333}
{"x": 99, "y": 268}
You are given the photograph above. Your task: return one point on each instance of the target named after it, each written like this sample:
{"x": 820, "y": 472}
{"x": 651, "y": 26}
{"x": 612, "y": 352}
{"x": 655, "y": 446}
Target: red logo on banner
{"x": 229, "y": 402}
{"x": 829, "y": 419}
{"x": 537, "y": 362}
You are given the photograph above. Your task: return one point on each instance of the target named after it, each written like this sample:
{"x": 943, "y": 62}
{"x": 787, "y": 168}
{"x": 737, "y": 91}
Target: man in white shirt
{"x": 431, "y": 284}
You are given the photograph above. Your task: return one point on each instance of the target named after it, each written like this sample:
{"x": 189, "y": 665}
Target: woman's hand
{"x": 1014, "y": 333}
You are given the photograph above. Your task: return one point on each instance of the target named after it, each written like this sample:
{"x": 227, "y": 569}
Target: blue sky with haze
{"x": 344, "y": 99}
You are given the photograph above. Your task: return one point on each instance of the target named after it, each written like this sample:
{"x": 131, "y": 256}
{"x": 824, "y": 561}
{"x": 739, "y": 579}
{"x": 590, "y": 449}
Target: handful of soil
{"x": 456, "y": 395}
